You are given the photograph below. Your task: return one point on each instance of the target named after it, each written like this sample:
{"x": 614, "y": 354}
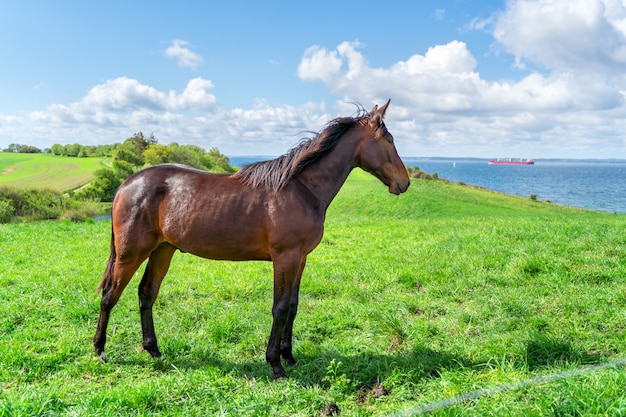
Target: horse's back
{"x": 143, "y": 192}
{"x": 153, "y": 183}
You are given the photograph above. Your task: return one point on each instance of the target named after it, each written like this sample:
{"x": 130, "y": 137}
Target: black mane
{"x": 274, "y": 174}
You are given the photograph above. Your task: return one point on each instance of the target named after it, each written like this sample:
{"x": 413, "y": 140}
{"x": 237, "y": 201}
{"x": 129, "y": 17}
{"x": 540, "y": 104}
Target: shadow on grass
{"x": 545, "y": 352}
{"x": 313, "y": 368}
{"x": 541, "y": 352}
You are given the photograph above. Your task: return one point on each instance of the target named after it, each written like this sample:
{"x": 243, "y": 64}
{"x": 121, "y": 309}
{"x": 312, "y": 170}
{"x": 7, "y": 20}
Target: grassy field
{"x": 43, "y": 170}
{"x": 408, "y": 301}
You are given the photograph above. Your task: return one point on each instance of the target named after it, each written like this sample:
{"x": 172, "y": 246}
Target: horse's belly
{"x": 230, "y": 253}
{"x": 223, "y": 243}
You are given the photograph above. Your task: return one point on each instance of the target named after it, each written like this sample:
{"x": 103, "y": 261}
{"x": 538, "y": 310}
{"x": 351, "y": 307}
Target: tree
{"x": 127, "y": 155}
{"x": 122, "y": 169}
{"x": 57, "y": 149}
{"x": 157, "y": 154}
{"x": 12, "y": 148}
{"x": 103, "y": 186}
{"x": 89, "y": 150}
{"x": 105, "y": 150}
{"x": 220, "y": 162}
{"x": 71, "y": 150}
{"x": 191, "y": 155}
{"x": 18, "y": 148}
{"x": 137, "y": 144}
{"x": 28, "y": 149}
{"x": 187, "y": 156}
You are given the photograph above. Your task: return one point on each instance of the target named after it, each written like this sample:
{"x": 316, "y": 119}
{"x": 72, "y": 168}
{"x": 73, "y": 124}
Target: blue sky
{"x": 521, "y": 78}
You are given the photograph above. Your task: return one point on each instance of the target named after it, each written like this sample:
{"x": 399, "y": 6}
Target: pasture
{"x": 46, "y": 171}
{"x": 407, "y": 301}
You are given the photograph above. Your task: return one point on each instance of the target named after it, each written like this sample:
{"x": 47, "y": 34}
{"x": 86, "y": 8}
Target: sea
{"x": 590, "y": 184}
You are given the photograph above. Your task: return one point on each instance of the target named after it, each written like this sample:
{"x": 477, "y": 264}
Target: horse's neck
{"x": 325, "y": 178}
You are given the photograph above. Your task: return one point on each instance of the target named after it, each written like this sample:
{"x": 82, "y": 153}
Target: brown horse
{"x": 272, "y": 210}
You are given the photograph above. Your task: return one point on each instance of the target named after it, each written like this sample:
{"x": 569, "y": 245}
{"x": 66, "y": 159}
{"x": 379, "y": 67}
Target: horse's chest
{"x": 297, "y": 229}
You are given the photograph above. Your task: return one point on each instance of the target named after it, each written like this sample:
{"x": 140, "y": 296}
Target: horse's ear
{"x": 383, "y": 109}
{"x": 377, "y": 114}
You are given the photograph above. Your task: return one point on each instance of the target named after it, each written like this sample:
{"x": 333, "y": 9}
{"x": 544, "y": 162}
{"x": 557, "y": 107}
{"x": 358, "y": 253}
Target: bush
{"x": 38, "y": 204}
{"x": 6, "y": 210}
{"x": 102, "y": 188}
{"x": 415, "y": 172}
{"x": 13, "y": 197}
{"x": 43, "y": 204}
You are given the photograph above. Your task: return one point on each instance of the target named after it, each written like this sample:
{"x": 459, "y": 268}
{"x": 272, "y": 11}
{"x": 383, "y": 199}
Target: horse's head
{"x": 377, "y": 153}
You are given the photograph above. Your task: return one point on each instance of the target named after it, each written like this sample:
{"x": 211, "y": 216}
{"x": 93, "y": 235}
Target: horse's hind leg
{"x": 120, "y": 273}
{"x": 158, "y": 264}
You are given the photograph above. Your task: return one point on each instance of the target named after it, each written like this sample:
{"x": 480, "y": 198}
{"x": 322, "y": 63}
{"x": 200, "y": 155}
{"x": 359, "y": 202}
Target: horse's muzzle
{"x": 399, "y": 186}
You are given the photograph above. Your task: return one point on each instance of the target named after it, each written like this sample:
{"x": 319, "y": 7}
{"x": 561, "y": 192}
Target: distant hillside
{"x": 45, "y": 170}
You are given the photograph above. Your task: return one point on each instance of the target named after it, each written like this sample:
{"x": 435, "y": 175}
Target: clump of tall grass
{"x": 81, "y": 211}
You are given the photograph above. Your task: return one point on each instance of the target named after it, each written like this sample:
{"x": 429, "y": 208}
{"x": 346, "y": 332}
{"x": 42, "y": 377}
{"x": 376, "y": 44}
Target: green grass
{"x": 438, "y": 292}
{"x": 49, "y": 171}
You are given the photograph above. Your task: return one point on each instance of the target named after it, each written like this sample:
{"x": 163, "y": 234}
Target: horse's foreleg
{"x": 287, "y": 270}
{"x": 158, "y": 264}
{"x": 286, "y": 341}
{"x": 111, "y": 292}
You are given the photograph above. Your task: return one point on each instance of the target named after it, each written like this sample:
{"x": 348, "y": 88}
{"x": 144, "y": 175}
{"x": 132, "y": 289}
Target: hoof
{"x": 155, "y": 353}
{"x": 281, "y": 375}
{"x": 278, "y": 372}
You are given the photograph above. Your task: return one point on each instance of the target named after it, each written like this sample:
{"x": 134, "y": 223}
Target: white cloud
{"x": 123, "y": 95}
{"x": 115, "y": 109}
{"x": 444, "y": 67}
{"x": 185, "y": 57}
{"x": 579, "y": 35}
{"x": 319, "y": 64}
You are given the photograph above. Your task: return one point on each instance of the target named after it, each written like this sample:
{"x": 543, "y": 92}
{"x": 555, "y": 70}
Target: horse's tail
{"x": 107, "y": 277}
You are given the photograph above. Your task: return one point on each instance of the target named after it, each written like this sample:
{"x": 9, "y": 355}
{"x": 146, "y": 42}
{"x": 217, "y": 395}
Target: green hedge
{"x": 34, "y": 204}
